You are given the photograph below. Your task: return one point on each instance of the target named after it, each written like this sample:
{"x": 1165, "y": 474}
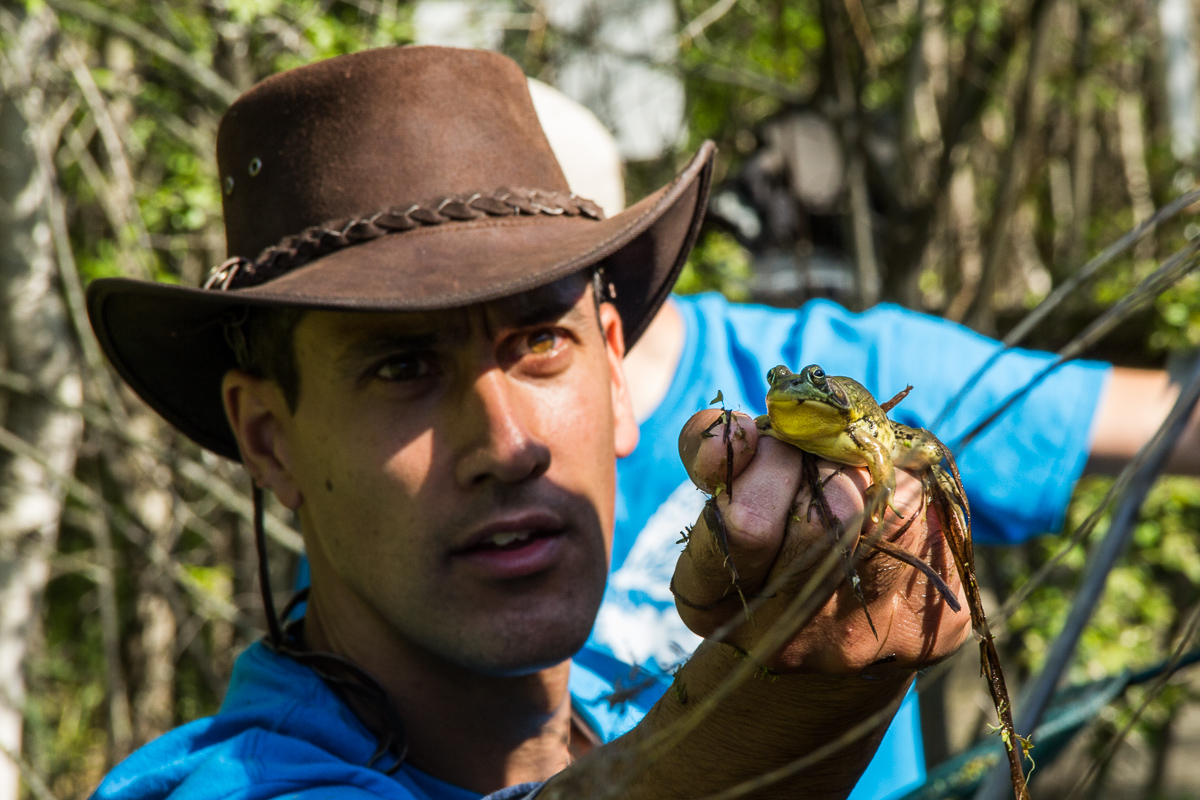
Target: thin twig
{"x": 35, "y": 782}
{"x": 119, "y": 720}
{"x": 1172, "y": 270}
{"x": 1014, "y": 171}
{"x": 195, "y": 473}
{"x": 799, "y": 611}
{"x": 767, "y": 779}
{"x": 134, "y": 531}
{"x": 204, "y": 76}
{"x": 1152, "y": 692}
{"x": 863, "y": 234}
{"x": 237, "y": 502}
{"x": 1062, "y": 291}
{"x": 1038, "y": 693}
{"x": 862, "y": 32}
{"x": 131, "y": 214}
{"x": 68, "y": 274}
{"x": 695, "y": 28}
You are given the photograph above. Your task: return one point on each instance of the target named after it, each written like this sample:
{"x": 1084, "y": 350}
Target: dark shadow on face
{"x": 472, "y": 463}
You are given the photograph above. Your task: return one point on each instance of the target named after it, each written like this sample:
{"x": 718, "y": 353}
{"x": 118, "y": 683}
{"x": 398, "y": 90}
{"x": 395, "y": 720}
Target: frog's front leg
{"x": 883, "y": 474}
{"x": 763, "y": 423}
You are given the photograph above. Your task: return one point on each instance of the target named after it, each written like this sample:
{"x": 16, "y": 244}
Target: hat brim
{"x": 168, "y": 341}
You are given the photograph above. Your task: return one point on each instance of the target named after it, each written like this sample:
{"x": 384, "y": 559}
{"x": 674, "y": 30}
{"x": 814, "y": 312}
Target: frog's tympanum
{"x": 836, "y": 418}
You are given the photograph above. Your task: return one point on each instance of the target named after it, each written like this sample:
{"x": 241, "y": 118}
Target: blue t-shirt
{"x": 1019, "y": 475}
{"x": 282, "y": 731}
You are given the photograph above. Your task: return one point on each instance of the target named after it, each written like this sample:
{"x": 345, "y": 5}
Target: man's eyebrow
{"x": 547, "y": 308}
{"x": 372, "y": 346}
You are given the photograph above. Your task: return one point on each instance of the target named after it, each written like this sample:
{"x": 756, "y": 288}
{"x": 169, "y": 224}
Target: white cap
{"x": 585, "y": 149}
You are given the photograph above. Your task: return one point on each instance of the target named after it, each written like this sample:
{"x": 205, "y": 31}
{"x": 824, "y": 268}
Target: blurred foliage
{"x": 717, "y": 264}
{"x": 159, "y": 215}
{"x": 1147, "y": 592}
{"x": 1138, "y": 621}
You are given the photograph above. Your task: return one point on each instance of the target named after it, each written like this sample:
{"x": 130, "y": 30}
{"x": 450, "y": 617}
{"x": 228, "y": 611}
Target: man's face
{"x": 454, "y": 471}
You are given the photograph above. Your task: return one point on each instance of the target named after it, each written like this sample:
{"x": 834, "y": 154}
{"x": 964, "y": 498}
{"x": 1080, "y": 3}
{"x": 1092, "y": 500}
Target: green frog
{"x": 835, "y": 417}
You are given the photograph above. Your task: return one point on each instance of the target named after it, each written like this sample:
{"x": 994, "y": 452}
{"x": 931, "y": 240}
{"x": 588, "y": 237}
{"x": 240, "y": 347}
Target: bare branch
{"x": 203, "y": 75}
{"x": 862, "y": 32}
{"x": 35, "y": 782}
{"x": 695, "y": 28}
{"x": 1015, "y": 172}
{"x": 119, "y": 722}
{"x": 126, "y": 192}
{"x": 1064, "y": 290}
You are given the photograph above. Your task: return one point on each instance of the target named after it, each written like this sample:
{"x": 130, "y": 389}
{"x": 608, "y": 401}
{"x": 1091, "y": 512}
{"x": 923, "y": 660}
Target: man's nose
{"x": 500, "y": 443}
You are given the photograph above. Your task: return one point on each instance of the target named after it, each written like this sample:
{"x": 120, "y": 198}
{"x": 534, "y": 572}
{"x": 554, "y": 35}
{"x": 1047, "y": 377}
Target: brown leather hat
{"x": 399, "y": 179}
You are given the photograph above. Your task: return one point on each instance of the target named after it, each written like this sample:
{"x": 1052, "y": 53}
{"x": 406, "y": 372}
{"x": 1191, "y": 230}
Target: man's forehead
{"x": 542, "y": 304}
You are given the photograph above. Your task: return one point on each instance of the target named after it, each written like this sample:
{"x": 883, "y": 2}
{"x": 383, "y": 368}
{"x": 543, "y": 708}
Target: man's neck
{"x": 651, "y": 364}
{"x": 479, "y": 732}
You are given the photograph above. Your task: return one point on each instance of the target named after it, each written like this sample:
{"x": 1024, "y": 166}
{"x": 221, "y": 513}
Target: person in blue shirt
{"x": 1019, "y": 475}
{"x": 417, "y": 346}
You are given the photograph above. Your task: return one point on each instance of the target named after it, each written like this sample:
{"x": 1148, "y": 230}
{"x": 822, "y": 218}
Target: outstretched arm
{"x": 1131, "y": 409}
{"x": 803, "y": 679}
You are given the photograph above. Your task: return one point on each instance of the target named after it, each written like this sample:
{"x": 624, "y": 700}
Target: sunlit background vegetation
{"x": 975, "y": 154}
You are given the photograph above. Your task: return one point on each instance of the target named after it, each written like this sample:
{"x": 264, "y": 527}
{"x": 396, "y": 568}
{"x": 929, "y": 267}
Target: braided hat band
{"x": 321, "y": 240}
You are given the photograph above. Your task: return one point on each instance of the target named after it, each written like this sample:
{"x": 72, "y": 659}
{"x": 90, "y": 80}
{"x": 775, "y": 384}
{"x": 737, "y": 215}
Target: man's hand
{"x": 808, "y": 731}
{"x": 778, "y": 545}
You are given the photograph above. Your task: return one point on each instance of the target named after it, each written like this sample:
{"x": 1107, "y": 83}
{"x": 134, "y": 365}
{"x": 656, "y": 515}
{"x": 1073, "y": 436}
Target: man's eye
{"x": 541, "y": 342}
{"x": 405, "y": 368}
{"x": 541, "y": 351}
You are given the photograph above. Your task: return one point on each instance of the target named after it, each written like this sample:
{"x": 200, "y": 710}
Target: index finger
{"x": 754, "y": 522}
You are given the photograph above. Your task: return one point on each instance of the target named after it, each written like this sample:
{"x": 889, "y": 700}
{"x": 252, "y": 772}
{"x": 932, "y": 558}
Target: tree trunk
{"x": 38, "y": 340}
{"x": 148, "y": 492}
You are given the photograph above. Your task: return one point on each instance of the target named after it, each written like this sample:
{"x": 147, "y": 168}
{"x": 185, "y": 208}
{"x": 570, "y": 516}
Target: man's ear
{"x": 625, "y": 427}
{"x": 258, "y": 413}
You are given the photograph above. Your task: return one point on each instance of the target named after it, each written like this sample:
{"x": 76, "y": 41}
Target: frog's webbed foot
{"x": 877, "y": 499}
{"x": 908, "y": 557}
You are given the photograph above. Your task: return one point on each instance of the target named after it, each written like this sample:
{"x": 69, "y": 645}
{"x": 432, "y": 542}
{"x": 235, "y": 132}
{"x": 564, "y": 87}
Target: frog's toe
{"x": 876, "y": 500}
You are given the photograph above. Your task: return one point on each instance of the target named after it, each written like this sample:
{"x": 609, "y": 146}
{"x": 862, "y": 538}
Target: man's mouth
{"x": 510, "y": 541}
{"x": 514, "y": 546}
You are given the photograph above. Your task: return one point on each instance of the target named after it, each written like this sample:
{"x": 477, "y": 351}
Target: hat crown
{"x": 354, "y": 134}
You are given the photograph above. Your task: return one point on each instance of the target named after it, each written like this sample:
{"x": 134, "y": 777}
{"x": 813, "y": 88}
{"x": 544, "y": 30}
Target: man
{"x": 1019, "y": 476}
{"x": 427, "y": 367}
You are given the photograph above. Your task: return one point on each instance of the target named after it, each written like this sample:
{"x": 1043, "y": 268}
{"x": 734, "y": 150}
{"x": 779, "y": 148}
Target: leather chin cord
{"x": 341, "y": 675}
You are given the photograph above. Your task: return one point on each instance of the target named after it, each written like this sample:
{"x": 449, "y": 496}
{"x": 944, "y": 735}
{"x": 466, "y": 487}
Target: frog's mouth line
{"x": 802, "y": 401}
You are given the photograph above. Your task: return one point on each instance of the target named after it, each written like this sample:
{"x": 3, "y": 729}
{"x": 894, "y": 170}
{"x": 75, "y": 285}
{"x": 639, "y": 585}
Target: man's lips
{"x": 515, "y": 545}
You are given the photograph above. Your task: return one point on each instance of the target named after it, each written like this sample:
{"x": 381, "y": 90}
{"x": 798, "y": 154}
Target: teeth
{"x": 505, "y": 539}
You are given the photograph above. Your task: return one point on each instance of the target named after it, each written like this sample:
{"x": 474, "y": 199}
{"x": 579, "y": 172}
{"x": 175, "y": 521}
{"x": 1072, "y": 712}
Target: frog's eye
{"x": 815, "y": 374}
{"x": 771, "y": 375}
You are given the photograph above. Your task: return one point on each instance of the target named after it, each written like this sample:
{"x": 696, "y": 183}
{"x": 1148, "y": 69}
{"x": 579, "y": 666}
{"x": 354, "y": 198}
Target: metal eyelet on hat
{"x": 228, "y": 184}
{"x": 255, "y": 166}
